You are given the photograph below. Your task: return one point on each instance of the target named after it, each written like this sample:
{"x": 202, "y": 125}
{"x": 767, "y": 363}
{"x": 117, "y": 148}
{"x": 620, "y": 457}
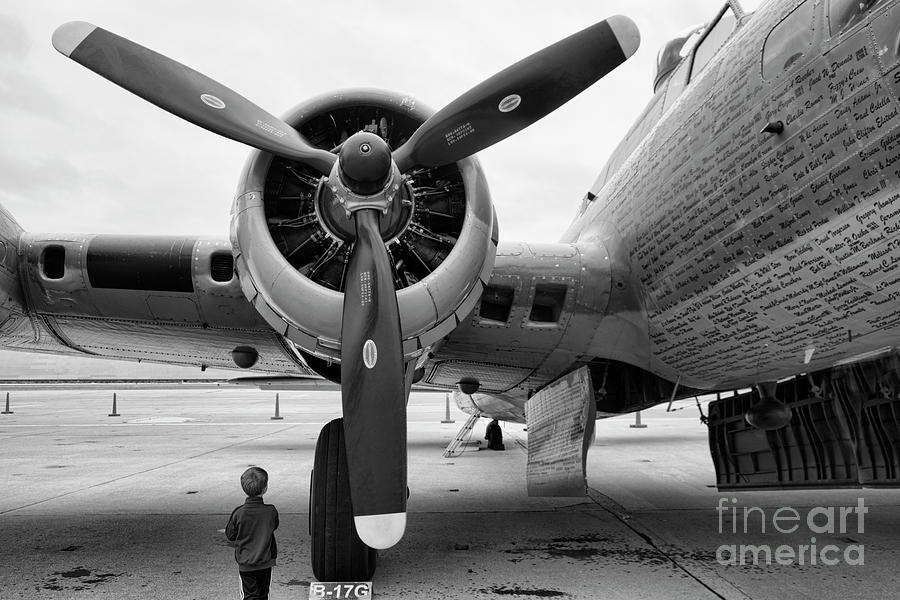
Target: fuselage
{"x": 758, "y": 256}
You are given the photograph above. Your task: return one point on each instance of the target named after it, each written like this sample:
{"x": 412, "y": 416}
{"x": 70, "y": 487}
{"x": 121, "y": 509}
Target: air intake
{"x": 221, "y": 267}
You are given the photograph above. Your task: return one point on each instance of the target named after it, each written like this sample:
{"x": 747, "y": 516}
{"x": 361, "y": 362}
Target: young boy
{"x": 251, "y": 528}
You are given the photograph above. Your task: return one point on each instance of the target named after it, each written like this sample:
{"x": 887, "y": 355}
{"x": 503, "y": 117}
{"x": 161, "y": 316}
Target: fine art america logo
{"x": 832, "y": 523}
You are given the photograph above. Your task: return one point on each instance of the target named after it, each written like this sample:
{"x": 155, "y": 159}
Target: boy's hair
{"x": 254, "y": 481}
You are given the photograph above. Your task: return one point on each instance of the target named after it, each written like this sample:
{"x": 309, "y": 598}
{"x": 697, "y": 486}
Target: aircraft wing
{"x": 262, "y": 383}
{"x": 158, "y": 299}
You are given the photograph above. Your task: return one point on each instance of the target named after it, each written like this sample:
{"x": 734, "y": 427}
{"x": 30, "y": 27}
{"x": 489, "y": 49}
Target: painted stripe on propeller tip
{"x": 69, "y": 36}
{"x": 626, "y": 32}
{"x": 381, "y": 531}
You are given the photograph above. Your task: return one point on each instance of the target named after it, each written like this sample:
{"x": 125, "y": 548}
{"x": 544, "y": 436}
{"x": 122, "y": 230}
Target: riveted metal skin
{"x": 760, "y": 255}
{"x": 14, "y": 320}
{"x": 310, "y": 314}
{"x": 526, "y": 354}
{"x": 188, "y": 317}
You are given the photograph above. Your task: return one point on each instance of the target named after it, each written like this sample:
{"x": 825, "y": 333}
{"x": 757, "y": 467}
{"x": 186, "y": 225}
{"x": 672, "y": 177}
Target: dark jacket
{"x": 251, "y": 528}
{"x": 494, "y": 435}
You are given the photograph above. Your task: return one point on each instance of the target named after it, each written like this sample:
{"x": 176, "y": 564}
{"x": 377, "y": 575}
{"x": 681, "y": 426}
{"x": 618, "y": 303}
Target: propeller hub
{"x": 365, "y": 163}
{"x": 357, "y": 183}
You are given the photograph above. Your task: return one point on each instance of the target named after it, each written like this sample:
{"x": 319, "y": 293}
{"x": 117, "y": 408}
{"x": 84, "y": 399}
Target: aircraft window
{"x": 549, "y": 300}
{"x": 843, "y": 14}
{"x": 53, "y": 262}
{"x": 221, "y": 267}
{"x": 789, "y": 41}
{"x": 496, "y": 303}
{"x": 714, "y": 40}
{"x": 673, "y": 52}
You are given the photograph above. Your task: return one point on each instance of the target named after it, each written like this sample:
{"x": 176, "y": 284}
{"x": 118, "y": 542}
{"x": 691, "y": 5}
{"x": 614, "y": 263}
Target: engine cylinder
{"x": 291, "y": 246}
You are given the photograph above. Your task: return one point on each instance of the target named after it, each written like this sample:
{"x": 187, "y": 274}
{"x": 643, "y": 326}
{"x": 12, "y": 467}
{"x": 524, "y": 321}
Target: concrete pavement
{"x": 132, "y": 507}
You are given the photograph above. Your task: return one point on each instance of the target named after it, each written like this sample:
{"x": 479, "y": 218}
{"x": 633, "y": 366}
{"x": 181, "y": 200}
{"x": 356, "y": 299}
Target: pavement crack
{"x": 150, "y": 470}
{"x": 9, "y": 436}
{"x": 624, "y": 516}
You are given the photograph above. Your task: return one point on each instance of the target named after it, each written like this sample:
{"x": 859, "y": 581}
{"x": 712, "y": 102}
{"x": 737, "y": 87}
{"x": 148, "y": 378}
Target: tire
{"x": 336, "y": 551}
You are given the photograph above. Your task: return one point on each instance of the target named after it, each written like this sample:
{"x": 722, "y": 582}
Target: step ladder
{"x": 455, "y": 448}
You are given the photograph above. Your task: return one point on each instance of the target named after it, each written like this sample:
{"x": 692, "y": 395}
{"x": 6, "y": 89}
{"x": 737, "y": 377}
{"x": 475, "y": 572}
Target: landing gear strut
{"x": 337, "y": 552}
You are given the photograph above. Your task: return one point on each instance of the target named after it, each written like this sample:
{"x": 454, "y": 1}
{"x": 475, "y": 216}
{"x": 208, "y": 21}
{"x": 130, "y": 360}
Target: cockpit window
{"x": 788, "y": 42}
{"x": 844, "y": 14}
{"x": 714, "y": 40}
{"x": 674, "y": 52}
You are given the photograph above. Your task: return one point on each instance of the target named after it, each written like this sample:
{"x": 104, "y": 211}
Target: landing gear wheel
{"x": 337, "y": 552}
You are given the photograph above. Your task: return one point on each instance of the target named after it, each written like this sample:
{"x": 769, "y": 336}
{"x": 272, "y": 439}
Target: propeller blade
{"x": 372, "y": 389}
{"x": 184, "y": 92}
{"x": 519, "y": 95}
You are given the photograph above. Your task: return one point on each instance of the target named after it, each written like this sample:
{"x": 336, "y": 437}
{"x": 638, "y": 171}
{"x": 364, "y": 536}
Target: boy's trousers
{"x": 255, "y": 584}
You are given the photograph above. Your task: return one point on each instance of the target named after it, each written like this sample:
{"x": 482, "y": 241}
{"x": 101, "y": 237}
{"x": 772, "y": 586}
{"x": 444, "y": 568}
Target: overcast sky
{"x": 79, "y": 154}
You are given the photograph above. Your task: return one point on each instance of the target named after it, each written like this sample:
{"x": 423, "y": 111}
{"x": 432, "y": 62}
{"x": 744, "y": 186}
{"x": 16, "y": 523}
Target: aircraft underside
{"x": 845, "y": 432}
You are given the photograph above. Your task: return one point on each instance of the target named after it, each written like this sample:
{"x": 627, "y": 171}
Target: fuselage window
{"x": 788, "y": 42}
{"x": 714, "y": 40}
{"x": 844, "y": 14}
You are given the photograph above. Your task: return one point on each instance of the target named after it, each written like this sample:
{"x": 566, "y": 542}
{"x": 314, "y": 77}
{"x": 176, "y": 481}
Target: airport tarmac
{"x": 134, "y": 506}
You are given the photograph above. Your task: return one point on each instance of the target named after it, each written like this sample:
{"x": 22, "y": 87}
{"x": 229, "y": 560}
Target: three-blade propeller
{"x": 372, "y": 367}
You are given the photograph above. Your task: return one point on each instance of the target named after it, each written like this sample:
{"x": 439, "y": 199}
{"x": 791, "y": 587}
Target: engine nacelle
{"x": 291, "y": 244}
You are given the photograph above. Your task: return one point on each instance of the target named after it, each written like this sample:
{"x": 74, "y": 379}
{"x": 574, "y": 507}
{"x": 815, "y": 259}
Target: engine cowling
{"x": 292, "y": 237}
